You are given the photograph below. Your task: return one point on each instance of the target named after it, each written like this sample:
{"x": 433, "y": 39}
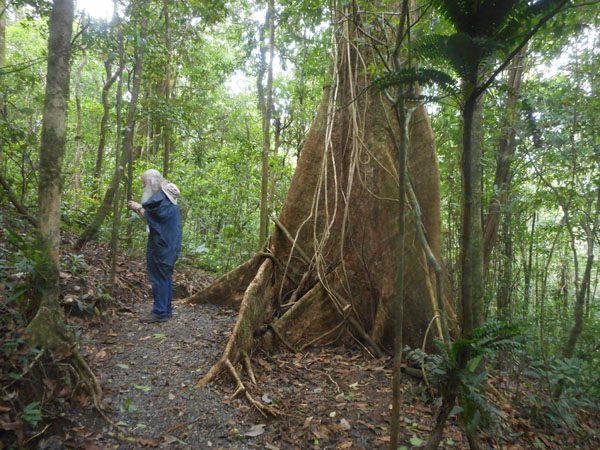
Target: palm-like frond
{"x": 424, "y": 77}
{"x": 476, "y": 17}
{"x": 484, "y": 28}
{"x": 465, "y": 54}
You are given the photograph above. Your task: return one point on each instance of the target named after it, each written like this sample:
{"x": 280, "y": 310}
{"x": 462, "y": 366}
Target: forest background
{"x": 228, "y": 93}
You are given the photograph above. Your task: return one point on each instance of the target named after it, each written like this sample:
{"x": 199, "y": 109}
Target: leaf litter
{"x": 334, "y": 398}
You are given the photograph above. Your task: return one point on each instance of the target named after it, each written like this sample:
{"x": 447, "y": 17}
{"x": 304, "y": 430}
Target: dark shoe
{"x": 152, "y": 318}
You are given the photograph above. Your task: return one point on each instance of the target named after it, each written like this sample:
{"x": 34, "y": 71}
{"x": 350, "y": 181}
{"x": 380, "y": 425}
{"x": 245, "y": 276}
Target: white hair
{"x": 152, "y": 179}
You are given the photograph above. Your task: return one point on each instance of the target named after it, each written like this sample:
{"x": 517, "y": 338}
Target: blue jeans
{"x": 161, "y": 279}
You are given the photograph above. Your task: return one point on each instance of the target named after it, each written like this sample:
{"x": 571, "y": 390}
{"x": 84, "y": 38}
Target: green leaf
{"x": 142, "y": 388}
{"x": 474, "y": 363}
{"x": 123, "y": 366}
{"x": 415, "y": 441}
{"x": 456, "y": 410}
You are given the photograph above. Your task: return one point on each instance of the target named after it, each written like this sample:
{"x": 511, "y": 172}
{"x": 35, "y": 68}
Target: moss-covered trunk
{"x": 46, "y": 328}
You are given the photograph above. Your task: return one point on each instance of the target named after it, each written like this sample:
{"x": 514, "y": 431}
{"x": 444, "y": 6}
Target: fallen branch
{"x": 18, "y": 206}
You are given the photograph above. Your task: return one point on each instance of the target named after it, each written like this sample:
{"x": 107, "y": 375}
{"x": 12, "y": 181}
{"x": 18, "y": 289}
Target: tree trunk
{"x": 110, "y": 79}
{"x": 505, "y": 154}
{"x": 78, "y": 152}
{"x": 46, "y": 329}
{"x": 585, "y": 283}
{"x": 3, "y": 9}
{"x": 472, "y": 233}
{"x": 505, "y": 282}
{"x": 528, "y": 268}
{"x": 333, "y": 253}
{"x": 167, "y": 120}
{"x": 266, "y": 108}
{"x": 116, "y": 207}
{"x": 104, "y": 208}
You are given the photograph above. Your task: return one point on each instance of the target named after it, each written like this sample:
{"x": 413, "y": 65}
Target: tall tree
{"x": 78, "y": 143}
{"x": 506, "y": 150}
{"x": 327, "y": 271}
{"x": 485, "y": 32}
{"x": 167, "y": 120}
{"x": 47, "y": 326}
{"x": 266, "y": 107}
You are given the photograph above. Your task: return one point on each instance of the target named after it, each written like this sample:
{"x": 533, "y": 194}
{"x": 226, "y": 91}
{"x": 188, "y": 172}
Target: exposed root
{"x": 255, "y": 306}
{"x": 249, "y": 368}
{"x": 263, "y": 409}
{"x": 213, "y": 372}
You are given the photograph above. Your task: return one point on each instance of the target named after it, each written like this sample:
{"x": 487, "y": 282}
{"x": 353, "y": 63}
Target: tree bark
{"x": 504, "y": 292}
{"x": 472, "y": 233}
{"x": 3, "y": 9}
{"x": 167, "y": 120}
{"x": 110, "y": 80}
{"x": 266, "y": 107}
{"x": 529, "y": 267}
{"x": 585, "y": 282}
{"x": 336, "y": 243}
{"x": 104, "y": 208}
{"x": 116, "y": 207}
{"x": 46, "y": 329}
{"x": 78, "y": 152}
{"x": 506, "y": 152}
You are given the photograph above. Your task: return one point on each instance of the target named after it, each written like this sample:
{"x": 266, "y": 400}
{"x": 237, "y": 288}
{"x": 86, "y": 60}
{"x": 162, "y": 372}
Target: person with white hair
{"x": 159, "y": 209}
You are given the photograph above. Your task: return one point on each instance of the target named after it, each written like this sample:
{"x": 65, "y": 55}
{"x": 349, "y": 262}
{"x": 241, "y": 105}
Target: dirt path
{"x": 332, "y": 398}
{"x": 149, "y": 372}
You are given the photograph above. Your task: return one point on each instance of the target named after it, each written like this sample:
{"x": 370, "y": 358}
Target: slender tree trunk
{"x": 46, "y": 328}
{"x": 104, "y": 208}
{"x": 3, "y": 9}
{"x": 78, "y": 151}
{"x": 110, "y": 79}
{"x": 585, "y": 283}
{"x": 116, "y": 207}
{"x": 529, "y": 267}
{"x": 472, "y": 233}
{"x": 266, "y": 107}
{"x": 167, "y": 119}
{"x": 505, "y": 155}
{"x": 403, "y": 115}
{"x": 276, "y": 144}
{"x": 505, "y": 281}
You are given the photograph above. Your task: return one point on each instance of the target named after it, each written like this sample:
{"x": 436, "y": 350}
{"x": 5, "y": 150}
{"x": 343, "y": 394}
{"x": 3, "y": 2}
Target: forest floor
{"x": 335, "y": 397}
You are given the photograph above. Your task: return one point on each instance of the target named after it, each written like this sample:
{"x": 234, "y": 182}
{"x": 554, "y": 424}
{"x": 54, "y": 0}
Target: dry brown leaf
{"x": 344, "y": 445}
{"x": 148, "y": 442}
{"x": 91, "y": 446}
{"x": 307, "y": 422}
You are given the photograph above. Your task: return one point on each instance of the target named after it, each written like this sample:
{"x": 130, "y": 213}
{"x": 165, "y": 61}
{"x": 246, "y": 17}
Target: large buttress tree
{"x": 329, "y": 267}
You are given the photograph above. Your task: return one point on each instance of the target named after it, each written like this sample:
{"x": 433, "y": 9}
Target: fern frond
{"x": 424, "y": 77}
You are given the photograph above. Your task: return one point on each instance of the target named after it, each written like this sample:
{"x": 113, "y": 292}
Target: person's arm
{"x": 135, "y": 206}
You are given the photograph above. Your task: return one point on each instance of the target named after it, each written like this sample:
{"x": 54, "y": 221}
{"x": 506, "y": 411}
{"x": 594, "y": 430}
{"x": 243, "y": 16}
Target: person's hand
{"x": 135, "y": 206}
